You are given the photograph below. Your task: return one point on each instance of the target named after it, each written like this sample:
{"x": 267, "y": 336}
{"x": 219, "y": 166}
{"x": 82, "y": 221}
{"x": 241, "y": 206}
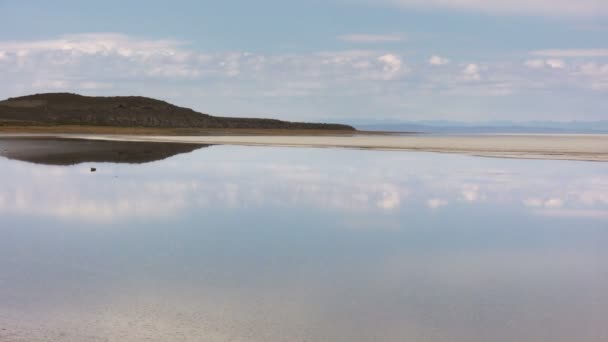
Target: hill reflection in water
{"x": 236, "y": 243}
{"x": 53, "y": 151}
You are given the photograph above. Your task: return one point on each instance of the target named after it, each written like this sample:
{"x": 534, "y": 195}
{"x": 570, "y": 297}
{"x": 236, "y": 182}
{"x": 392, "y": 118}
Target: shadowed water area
{"x": 230, "y": 243}
{"x": 54, "y": 151}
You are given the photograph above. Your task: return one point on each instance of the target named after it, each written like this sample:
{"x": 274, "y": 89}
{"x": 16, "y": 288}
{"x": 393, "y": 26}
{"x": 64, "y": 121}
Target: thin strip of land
{"x": 545, "y": 146}
{"x": 114, "y": 130}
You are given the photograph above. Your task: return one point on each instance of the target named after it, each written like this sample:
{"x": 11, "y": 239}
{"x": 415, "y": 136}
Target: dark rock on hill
{"x": 127, "y": 111}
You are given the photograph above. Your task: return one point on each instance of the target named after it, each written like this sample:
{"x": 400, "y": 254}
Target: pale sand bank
{"x": 541, "y": 146}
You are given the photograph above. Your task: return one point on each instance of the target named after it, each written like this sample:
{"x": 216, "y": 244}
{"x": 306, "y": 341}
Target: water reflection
{"x": 51, "y": 151}
{"x": 232, "y": 177}
{"x": 275, "y": 244}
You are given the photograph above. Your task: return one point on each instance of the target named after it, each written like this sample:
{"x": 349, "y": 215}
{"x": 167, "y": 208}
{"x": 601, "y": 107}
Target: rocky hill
{"x": 127, "y": 111}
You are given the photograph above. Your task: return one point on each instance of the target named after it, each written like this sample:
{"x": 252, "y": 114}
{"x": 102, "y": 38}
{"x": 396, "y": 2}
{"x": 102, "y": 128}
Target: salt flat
{"x": 570, "y": 147}
{"x": 588, "y": 147}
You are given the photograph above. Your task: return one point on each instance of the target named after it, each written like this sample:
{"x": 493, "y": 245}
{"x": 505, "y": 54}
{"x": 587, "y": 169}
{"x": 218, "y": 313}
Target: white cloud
{"x": 231, "y": 63}
{"x": 96, "y": 44}
{"x": 533, "y": 202}
{"x": 392, "y": 65}
{"x": 556, "y": 63}
{"x": 572, "y": 52}
{"x": 390, "y": 198}
{"x": 553, "y": 63}
{"x": 533, "y": 7}
{"x": 535, "y": 63}
{"x": 596, "y": 196}
{"x": 549, "y": 203}
{"x": 280, "y": 179}
{"x": 470, "y": 192}
{"x": 242, "y": 84}
{"x": 83, "y": 62}
{"x": 372, "y": 38}
{"x": 435, "y": 203}
{"x": 472, "y": 72}
{"x": 594, "y": 69}
{"x": 554, "y": 203}
{"x": 593, "y": 74}
{"x": 438, "y": 60}
{"x": 80, "y": 57}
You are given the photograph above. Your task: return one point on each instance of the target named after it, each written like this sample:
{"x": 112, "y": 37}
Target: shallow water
{"x": 235, "y": 243}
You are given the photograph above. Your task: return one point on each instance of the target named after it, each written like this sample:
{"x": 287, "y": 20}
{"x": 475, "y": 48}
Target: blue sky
{"x": 333, "y": 60}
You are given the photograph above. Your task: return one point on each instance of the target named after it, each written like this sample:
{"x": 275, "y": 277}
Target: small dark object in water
{"x": 93, "y": 169}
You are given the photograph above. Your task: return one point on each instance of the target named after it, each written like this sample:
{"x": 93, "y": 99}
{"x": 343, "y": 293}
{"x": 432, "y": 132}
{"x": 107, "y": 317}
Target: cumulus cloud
{"x": 104, "y": 44}
{"x": 472, "y": 72}
{"x": 231, "y": 64}
{"x": 371, "y": 38}
{"x": 438, "y": 60}
{"x": 243, "y": 83}
{"x": 391, "y": 66}
{"x": 556, "y": 63}
{"x": 533, "y": 7}
{"x": 103, "y": 55}
{"x": 96, "y": 61}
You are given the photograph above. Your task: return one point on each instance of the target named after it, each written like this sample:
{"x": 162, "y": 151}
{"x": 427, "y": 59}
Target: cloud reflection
{"x": 435, "y": 203}
{"x": 344, "y": 180}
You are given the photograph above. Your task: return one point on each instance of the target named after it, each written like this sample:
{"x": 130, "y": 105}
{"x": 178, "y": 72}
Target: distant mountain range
{"x": 127, "y": 111}
{"x": 488, "y": 127}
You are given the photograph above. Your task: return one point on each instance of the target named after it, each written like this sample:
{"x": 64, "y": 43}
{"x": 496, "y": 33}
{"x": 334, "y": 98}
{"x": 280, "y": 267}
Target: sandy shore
{"x": 542, "y": 146}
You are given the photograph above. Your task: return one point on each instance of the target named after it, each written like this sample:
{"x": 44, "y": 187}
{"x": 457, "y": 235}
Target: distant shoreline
{"x": 577, "y": 147}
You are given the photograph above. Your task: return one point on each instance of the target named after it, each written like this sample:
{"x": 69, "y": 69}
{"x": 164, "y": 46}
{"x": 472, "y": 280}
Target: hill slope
{"x": 126, "y": 111}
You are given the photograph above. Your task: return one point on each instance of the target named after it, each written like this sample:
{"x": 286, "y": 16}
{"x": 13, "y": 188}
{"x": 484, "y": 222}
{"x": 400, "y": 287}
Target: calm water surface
{"x": 295, "y": 244}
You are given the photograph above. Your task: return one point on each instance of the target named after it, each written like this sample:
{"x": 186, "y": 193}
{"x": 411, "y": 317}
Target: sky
{"x": 353, "y": 61}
